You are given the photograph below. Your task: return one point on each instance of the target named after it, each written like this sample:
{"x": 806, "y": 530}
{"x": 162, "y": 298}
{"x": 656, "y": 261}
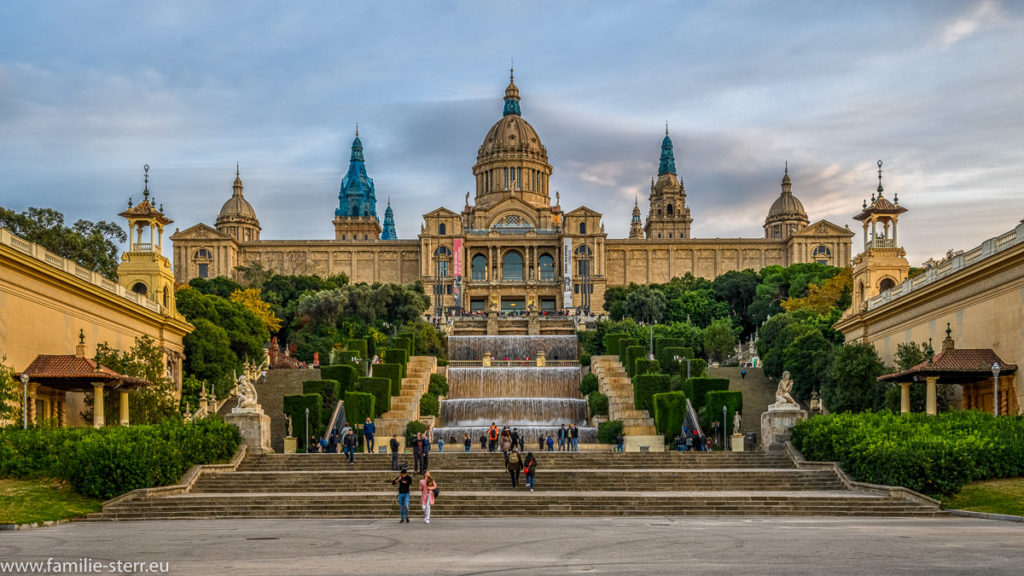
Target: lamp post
{"x": 307, "y": 430}
{"x": 995, "y": 393}
{"x": 725, "y": 428}
{"x": 24, "y": 406}
{"x": 680, "y": 359}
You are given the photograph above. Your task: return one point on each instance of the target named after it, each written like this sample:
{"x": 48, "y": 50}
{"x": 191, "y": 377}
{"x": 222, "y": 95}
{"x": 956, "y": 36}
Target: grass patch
{"x": 1003, "y": 496}
{"x": 40, "y": 499}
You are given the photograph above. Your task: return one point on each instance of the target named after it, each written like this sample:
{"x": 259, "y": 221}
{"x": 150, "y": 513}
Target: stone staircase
{"x": 614, "y": 383}
{"x": 758, "y": 392}
{"x": 568, "y": 484}
{"x": 406, "y": 406}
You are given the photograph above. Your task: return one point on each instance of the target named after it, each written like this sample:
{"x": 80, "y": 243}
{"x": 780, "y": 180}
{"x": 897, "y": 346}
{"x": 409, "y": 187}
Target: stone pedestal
{"x": 291, "y": 445}
{"x": 736, "y": 443}
{"x": 654, "y": 443}
{"x": 255, "y": 429}
{"x": 777, "y": 424}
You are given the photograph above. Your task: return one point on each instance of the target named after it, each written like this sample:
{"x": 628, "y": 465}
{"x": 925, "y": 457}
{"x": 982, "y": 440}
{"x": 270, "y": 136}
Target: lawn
{"x": 41, "y": 499}
{"x": 1003, "y": 496}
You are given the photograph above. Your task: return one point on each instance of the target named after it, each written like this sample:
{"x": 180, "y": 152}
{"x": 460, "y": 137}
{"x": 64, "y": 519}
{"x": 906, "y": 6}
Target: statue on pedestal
{"x": 737, "y": 420}
{"x": 288, "y": 417}
{"x": 247, "y": 401}
{"x": 782, "y": 396}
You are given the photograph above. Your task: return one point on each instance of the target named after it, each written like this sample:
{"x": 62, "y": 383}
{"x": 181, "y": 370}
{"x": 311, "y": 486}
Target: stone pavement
{"x": 516, "y": 546}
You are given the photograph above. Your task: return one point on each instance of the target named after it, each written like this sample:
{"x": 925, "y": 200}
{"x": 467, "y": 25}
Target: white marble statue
{"x": 737, "y": 420}
{"x": 246, "y": 395}
{"x": 289, "y": 417}
{"x": 782, "y": 397}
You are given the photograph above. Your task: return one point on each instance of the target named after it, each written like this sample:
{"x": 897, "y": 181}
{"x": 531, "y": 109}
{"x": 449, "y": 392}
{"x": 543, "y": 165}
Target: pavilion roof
{"x": 71, "y": 372}
{"x": 954, "y": 366}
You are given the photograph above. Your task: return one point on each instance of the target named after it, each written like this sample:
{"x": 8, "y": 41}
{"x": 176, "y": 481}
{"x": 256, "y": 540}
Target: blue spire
{"x": 512, "y": 96}
{"x": 357, "y": 196}
{"x": 389, "y": 224}
{"x": 668, "y": 159}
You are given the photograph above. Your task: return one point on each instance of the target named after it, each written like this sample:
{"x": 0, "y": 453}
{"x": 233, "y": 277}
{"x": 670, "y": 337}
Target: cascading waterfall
{"x": 535, "y": 399}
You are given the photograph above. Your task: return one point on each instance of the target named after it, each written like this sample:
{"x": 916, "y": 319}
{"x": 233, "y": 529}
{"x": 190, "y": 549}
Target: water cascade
{"x": 512, "y": 347}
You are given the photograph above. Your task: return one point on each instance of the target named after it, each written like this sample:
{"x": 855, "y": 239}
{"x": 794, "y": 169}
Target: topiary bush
{"x": 645, "y": 387}
{"x": 295, "y": 406}
{"x": 608, "y": 432}
{"x": 666, "y": 357}
{"x": 588, "y": 384}
{"x": 358, "y": 347}
{"x": 598, "y": 403}
{"x": 697, "y": 387}
{"x": 931, "y": 454}
{"x": 381, "y": 390}
{"x": 330, "y": 393}
{"x": 392, "y": 372}
{"x": 397, "y": 356}
{"x": 406, "y": 342}
{"x": 634, "y": 353}
{"x": 344, "y": 374}
{"x": 359, "y": 406}
{"x": 669, "y": 413}
{"x": 438, "y": 385}
{"x": 429, "y": 406}
{"x": 645, "y": 366}
{"x": 731, "y": 399}
{"x": 413, "y": 428}
{"x": 611, "y": 343}
{"x": 624, "y": 344}
{"x": 584, "y": 359}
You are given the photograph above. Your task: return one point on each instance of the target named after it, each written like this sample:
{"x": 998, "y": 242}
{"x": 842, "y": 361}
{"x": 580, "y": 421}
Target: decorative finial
{"x": 145, "y": 191}
{"x": 512, "y": 70}
{"x": 129, "y": 201}
{"x": 389, "y": 200}
{"x": 81, "y": 336}
{"x": 237, "y": 173}
{"x": 636, "y": 200}
{"x": 787, "y": 167}
{"x": 161, "y": 206}
{"x": 949, "y": 331}
{"x": 880, "y": 178}
{"x": 357, "y": 129}
{"x": 666, "y": 127}
{"x": 896, "y": 198}
{"x": 930, "y": 351}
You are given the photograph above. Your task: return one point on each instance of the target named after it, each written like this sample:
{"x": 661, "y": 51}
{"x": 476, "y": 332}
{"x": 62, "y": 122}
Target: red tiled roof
{"x": 58, "y": 368}
{"x": 955, "y": 362}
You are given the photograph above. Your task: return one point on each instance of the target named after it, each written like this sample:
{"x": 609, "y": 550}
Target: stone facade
{"x": 514, "y": 247}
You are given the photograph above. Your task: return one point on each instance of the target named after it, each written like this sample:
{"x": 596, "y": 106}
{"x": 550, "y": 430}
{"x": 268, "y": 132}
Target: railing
{"x": 690, "y": 419}
{"x": 882, "y": 243}
{"x": 511, "y": 363}
{"x": 338, "y": 415}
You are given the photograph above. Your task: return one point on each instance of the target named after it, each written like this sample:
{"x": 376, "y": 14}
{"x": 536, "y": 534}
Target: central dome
{"x": 512, "y": 162}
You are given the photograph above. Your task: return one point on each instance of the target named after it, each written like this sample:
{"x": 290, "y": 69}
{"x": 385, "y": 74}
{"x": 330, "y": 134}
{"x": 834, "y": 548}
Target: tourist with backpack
{"x": 403, "y": 481}
{"x": 530, "y": 468}
{"x": 492, "y": 438}
{"x": 514, "y": 465}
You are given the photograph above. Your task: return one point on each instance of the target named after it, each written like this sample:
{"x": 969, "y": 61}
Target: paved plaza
{"x": 657, "y": 545}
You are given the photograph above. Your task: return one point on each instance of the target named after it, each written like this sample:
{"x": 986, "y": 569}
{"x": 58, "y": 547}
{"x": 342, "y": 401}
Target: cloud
{"x": 984, "y": 12}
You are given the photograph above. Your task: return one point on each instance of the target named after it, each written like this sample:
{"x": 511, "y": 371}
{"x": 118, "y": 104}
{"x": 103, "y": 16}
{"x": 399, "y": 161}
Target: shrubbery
{"x": 411, "y": 429}
{"x": 598, "y": 403}
{"x": 330, "y": 393}
{"x": 344, "y": 374}
{"x": 669, "y": 412}
{"x": 438, "y": 385}
{"x": 380, "y": 388}
{"x": 697, "y": 388}
{"x": 429, "y": 405}
{"x": 930, "y": 454}
{"x": 715, "y": 399}
{"x": 607, "y": 432}
{"x": 358, "y": 407}
{"x": 645, "y": 387}
{"x": 588, "y": 384}
{"x": 295, "y": 406}
{"x": 106, "y": 462}
{"x": 645, "y": 366}
{"x": 392, "y": 372}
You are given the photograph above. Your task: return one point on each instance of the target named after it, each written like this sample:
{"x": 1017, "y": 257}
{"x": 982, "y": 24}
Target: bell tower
{"x": 144, "y": 269}
{"x": 883, "y": 264}
{"x": 669, "y": 218}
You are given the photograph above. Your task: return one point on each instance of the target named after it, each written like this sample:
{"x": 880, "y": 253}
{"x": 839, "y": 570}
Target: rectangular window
{"x": 576, "y": 288}
{"x": 204, "y": 270}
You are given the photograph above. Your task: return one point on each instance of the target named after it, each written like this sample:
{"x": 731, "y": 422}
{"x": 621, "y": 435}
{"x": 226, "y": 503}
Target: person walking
{"x": 743, "y": 374}
{"x": 403, "y": 481}
{"x": 574, "y": 435}
{"x": 467, "y": 441}
{"x": 530, "y": 468}
{"x": 492, "y": 438}
{"x": 506, "y": 443}
{"x": 349, "y": 445}
{"x": 483, "y": 441}
{"x": 514, "y": 465}
{"x": 563, "y": 435}
{"x": 515, "y": 436}
{"x": 440, "y": 444}
{"x": 394, "y": 452}
{"x": 427, "y": 489}
{"x": 417, "y": 453}
{"x": 551, "y": 444}
{"x": 618, "y": 442}
{"x": 540, "y": 443}
{"x": 425, "y": 463}
{"x": 369, "y": 430}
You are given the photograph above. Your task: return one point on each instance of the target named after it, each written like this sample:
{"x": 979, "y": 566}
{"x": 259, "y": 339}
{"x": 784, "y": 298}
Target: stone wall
{"x": 281, "y": 383}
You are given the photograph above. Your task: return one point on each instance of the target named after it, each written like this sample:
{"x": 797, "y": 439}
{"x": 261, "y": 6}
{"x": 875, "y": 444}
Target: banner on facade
{"x": 457, "y": 265}
{"x": 567, "y": 272}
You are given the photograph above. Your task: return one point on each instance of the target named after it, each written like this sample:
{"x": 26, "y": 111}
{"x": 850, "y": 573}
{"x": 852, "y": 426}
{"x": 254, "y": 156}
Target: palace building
{"x": 510, "y": 247}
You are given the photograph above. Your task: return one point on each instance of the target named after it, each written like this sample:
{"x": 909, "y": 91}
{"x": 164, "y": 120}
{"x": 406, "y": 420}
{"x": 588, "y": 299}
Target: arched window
{"x": 583, "y": 261}
{"x": 886, "y": 284}
{"x": 777, "y": 231}
{"x": 822, "y": 255}
{"x": 583, "y": 227}
{"x": 140, "y": 288}
{"x": 167, "y": 299}
{"x": 479, "y": 267}
{"x": 442, "y": 229}
{"x": 512, "y": 266}
{"x": 547, "y": 267}
{"x": 442, "y": 261}
{"x": 668, "y": 210}
{"x": 203, "y": 253}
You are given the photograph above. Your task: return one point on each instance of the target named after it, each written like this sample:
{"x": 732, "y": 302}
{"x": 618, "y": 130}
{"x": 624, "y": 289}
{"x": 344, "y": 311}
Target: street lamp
{"x": 307, "y": 430}
{"x": 995, "y": 395}
{"x": 725, "y": 428}
{"x": 24, "y": 406}
{"x": 680, "y": 359}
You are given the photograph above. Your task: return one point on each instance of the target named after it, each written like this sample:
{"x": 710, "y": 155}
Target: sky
{"x": 90, "y": 92}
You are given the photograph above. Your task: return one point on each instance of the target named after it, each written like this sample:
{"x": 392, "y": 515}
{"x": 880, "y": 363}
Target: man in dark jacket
{"x": 368, "y": 432}
{"x": 417, "y": 453}
{"x": 394, "y": 452}
{"x": 349, "y": 444}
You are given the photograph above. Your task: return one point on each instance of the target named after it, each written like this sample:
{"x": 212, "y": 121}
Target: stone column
{"x": 904, "y": 397}
{"x": 929, "y": 403}
{"x": 124, "y": 407}
{"x": 97, "y": 405}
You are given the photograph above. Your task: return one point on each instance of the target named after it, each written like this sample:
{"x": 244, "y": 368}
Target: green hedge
{"x": 611, "y": 342}
{"x": 624, "y": 344}
{"x": 411, "y": 429}
{"x": 381, "y": 390}
{"x": 392, "y": 372}
{"x": 406, "y": 342}
{"x": 645, "y": 366}
{"x": 698, "y": 368}
{"x": 429, "y": 406}
{"x": 438, "y": 385}
{"x": 371, "y": 347}
{"x": 732, "y": 399}
{"x": 661, "y": 343}
{"x": 633, "y": 353}
{"x": 397, "y": 356}
{"x": 329, "y": 391}
{"x": 344, "y": 374}
{"x": 930, "y": 454}
{"x": 359, "y": 406}
{"x": 666, "y": 357}
{"x": 358, "y": 347}
{"x": 645, "y": 387}
{"x": 295, "y": 406}
{"x": 107, "y": 462}
{"x": 584, "y": 359}
{"x": 607, "y": 432}
{"x": 598, "y": 403}
{"x": 669, "y": 413}
{"x": 697, "y": 387}
{"x": 588, "y": 384}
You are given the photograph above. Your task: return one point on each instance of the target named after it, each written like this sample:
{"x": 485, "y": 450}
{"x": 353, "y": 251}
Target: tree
{"x": 219, "y": 286}
{"x": 250, "y": 298}
{"x": 852, "y": 384}
{"x": 10, "y": 393}
{"x": 834, "y": 292}
{"x": 146, "y": 405}
{"x": 719, "y": 339}
{"x": 645, "y": 305}
{"x": 737, "y": 289}
{"x": 93, "y": 245}
{"x": 807, "y": 358}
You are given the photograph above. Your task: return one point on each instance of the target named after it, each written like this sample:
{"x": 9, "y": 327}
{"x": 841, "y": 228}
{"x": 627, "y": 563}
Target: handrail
{"x": 339, "y": 412}
{"x": 690, "y": 419}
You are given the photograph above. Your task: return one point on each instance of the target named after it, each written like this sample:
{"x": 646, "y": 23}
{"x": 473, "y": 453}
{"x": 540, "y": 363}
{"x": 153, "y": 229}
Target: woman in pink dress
{"x": 427, "y": 489}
